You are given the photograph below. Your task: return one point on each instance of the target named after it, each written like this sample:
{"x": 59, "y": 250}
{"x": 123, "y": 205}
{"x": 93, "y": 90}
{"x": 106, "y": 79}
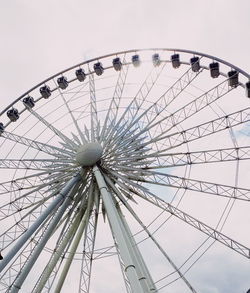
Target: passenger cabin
{"x": 1, "y": 128}
{"x": 214, "y": 69}
{"x": 175, "y": 59}
{"x": 29, "y": 102}
{"x": 80, "y": 74}
{"x": 117, "y": 64}
{"x": 98, "y": 68}
{"x": 248, "y": 89}
{"x": 62, "y": 82}
{"x": 136, "y": 60}
{"x": 233, "y": 78}
{"x": 156, "y": 59}
{"x": 195, "y": 64}
{"x": 45, "y": 92}
{"x": 13, "y": 114}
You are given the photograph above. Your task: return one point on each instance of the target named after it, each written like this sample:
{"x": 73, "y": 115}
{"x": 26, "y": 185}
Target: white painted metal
{"x": 31, "y": 261}
{"x": 159, "y": 247}
{"x": 74, "y": 245}
{"x": 127, "y": 144}
{"x": 51, "y": 208}
{"x": 142, "y": 267}
{"x": 130, "y": 263}
{"x": 230, "y": 65}
{"x": 70, "y": 144}
{"x": 88, "y": 248}
{"x": 57, "y": 254}
{"x": 136, "y": 251}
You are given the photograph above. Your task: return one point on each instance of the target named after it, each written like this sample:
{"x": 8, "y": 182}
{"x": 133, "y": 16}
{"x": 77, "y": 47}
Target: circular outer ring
{"x": 244, "y": 73}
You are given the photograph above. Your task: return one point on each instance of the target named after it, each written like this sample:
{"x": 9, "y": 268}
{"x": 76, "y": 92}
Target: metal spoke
{"x": 205, "y": 129}
{"x": 88, "y": 251}
{"x": 13, "y": 203}
{"x": 35, "y": 254}
{"x": 93, "y": 107}
{"x": 68, "y": 237}
{"x": 9, "y": 276}
{"x": 83, "y": 139}
{"x": 194, "y": 185}
{"x": 48, "y": 149}
{"x": 34, "y": 164}
{"x": 153, "y": 111}
{"x": 15, "y": 231}
{"x": 24, "y": 256}
{"x": 131, "y": 111}
{"x": 112, "y": 112}
{"x": 33, "y": 205}
{"x": 193, "y": 107}
{"x": 25, "y": 183}
{"x": 158, "y": 245}
{"x": 69, "y": 143}
{"x": 36, "y": 224}
{"x": 201, "y": 157}
{"x": 75, "y": 243}
{"x": 162, "y": 103}
{"x": 68, "y": 221}
{"x": 220, "y": 237}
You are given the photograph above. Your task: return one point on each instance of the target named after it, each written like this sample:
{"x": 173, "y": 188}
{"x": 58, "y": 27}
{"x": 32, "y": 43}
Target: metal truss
{"x": 54, "y": 273}
{"x": 93, "y": 107}
{"x": 48, "y": 149}
{"x": 162, "y": 103}
{"x": 184, "y": 183}
{"x": 112, "y": 112}
{"x": 202, "y": 157}
{"x": 189, "y": 109}
{"x": 200, "y": 186}
{"x": 68, "y": 143}
{"x": 205, "y": 129}
{"x": 36, "y": 165}
{"x": 87, "y": 253}
{"x": 211, "y": 232}
{"x": 131, "y": 111}
{"x": 80, "y": 133}
{"x": 9, "y": 276}
{"x": 130, "y": 209}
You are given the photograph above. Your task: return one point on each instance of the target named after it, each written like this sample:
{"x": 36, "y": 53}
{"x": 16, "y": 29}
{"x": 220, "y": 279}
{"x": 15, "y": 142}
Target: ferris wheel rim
{"x": 244, "y": 73}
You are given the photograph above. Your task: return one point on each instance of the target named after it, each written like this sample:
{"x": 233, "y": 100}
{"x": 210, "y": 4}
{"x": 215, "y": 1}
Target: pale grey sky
{"x": 40, "y": 38}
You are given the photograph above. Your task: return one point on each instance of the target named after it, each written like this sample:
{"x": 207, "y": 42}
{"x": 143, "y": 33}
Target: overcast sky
{"x": 40, "y": 38}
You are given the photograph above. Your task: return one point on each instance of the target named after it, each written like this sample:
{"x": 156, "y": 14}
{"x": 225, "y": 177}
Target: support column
{"x": 75, "y": 243}
{"x": 60, "y": 197}
{"x": 35, "y": 254}
{"x": 144, "y": 272}
{"x": 132, "y": 268}
{"x": 68, "y": 237}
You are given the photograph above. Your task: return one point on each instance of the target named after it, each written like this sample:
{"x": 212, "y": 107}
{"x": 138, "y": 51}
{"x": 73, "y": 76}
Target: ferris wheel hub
{"x": 89, "y": 154}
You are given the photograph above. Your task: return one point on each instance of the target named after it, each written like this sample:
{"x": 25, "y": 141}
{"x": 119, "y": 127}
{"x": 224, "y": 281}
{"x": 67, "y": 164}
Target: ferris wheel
{"x": 127, "y": 173}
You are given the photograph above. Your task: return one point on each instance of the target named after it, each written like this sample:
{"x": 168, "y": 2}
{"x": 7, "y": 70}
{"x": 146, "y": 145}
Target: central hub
{"x": 88, "y": 154}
